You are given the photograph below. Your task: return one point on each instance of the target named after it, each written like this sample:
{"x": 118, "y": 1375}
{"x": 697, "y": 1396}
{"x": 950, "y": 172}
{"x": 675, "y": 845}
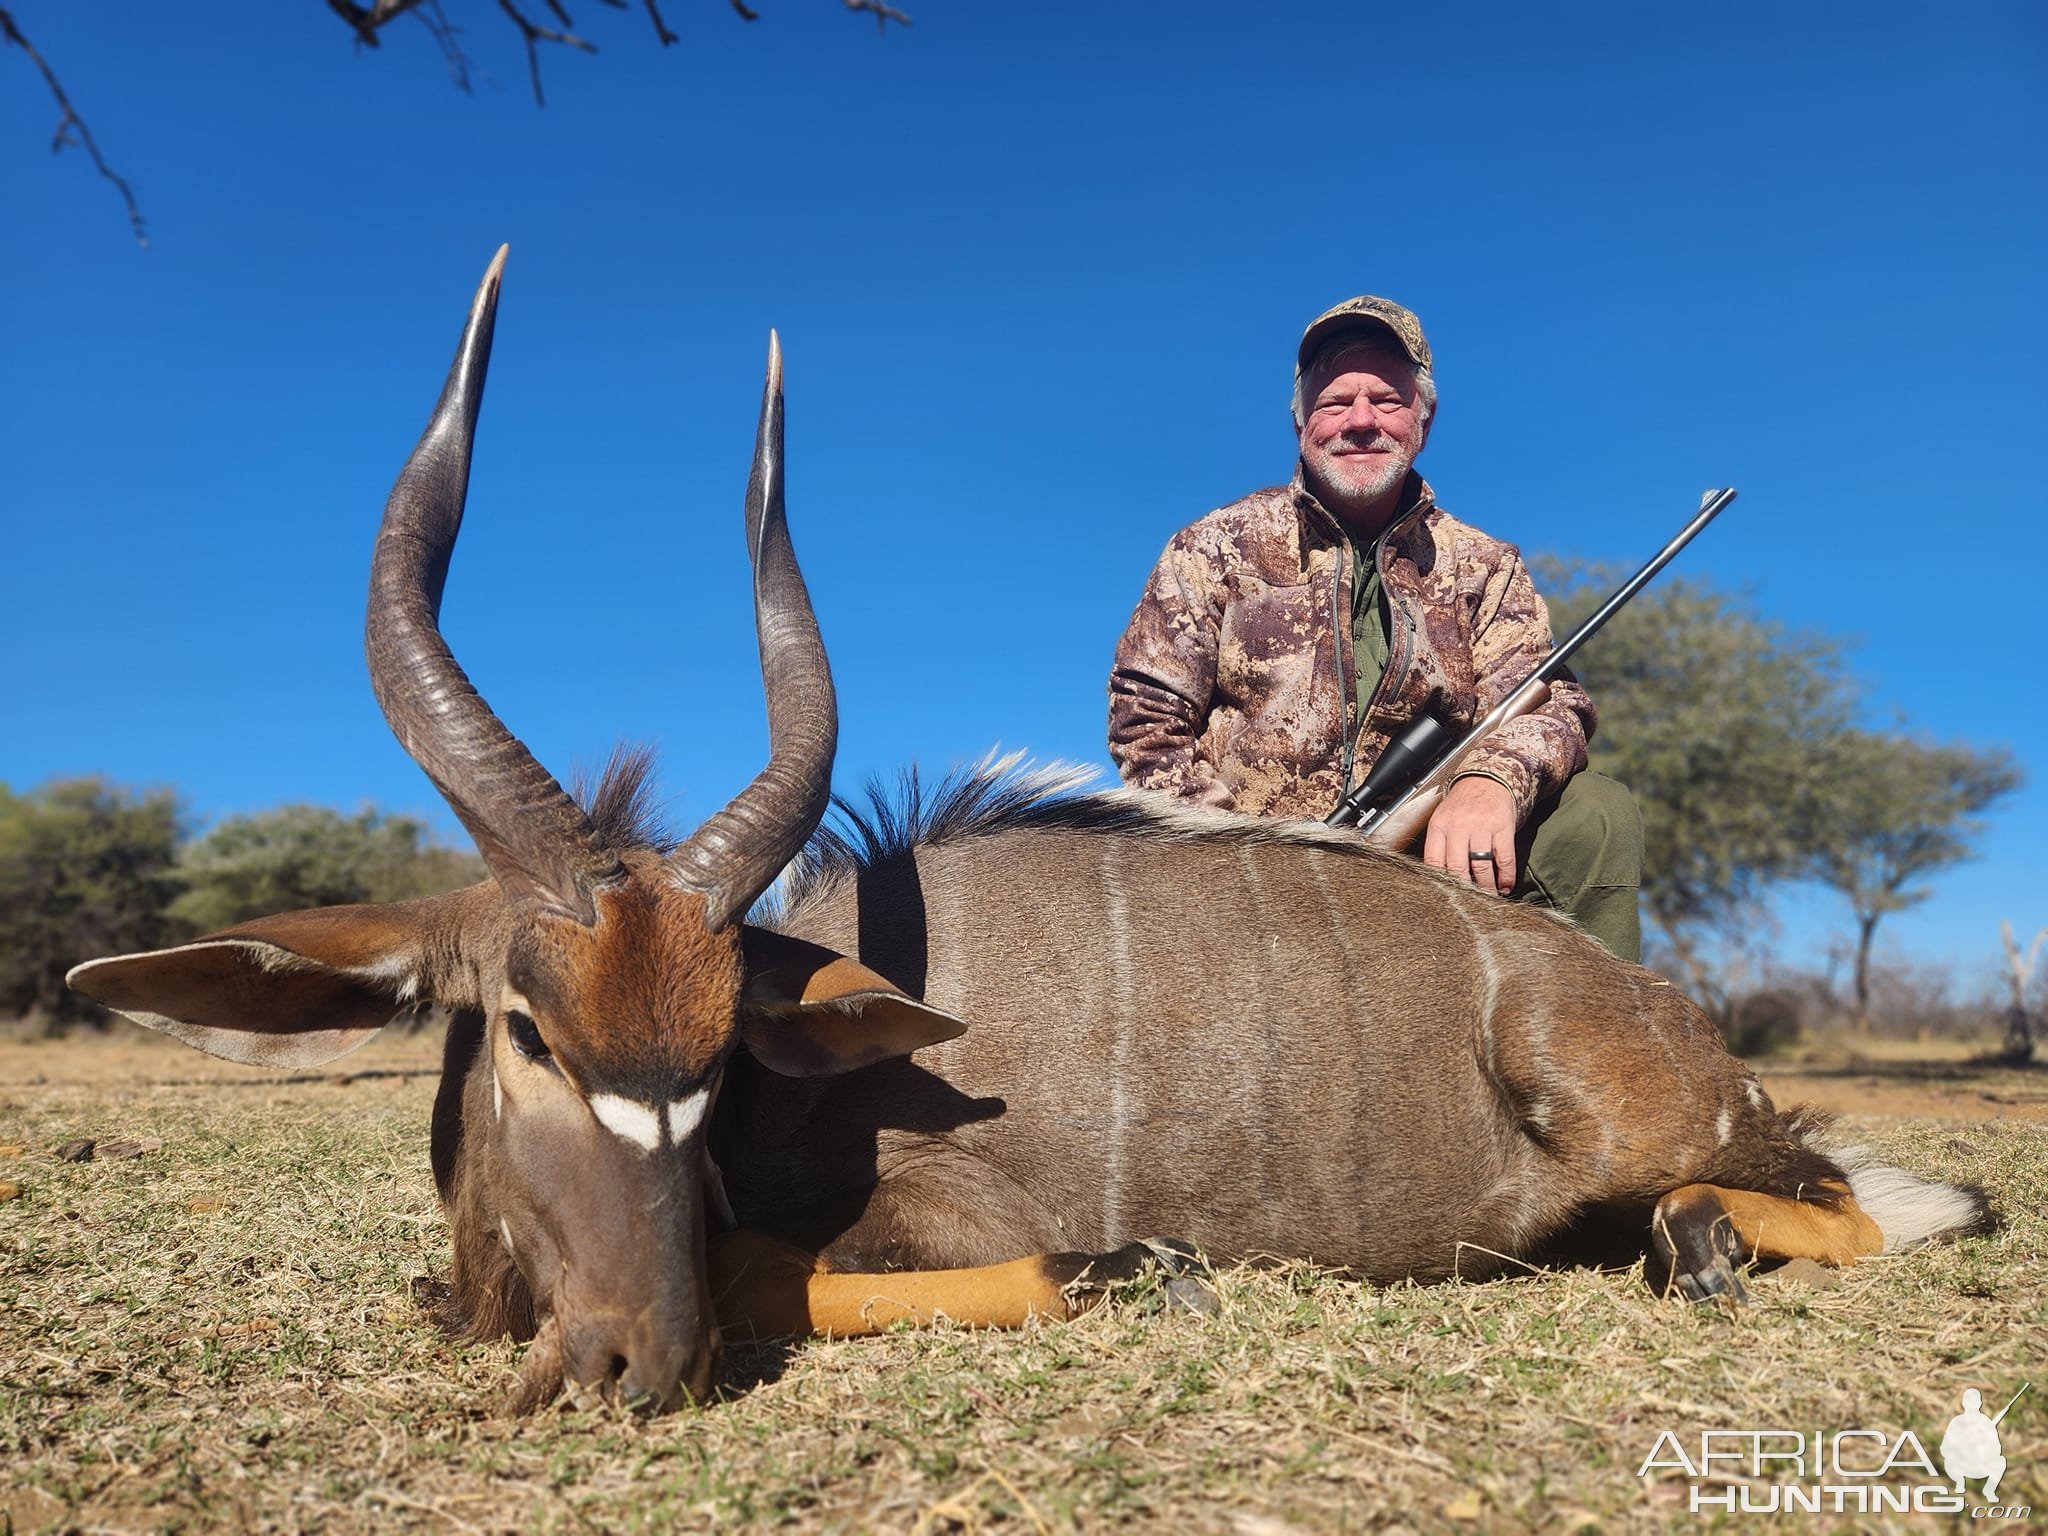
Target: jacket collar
{"x": 1318, "y": 527}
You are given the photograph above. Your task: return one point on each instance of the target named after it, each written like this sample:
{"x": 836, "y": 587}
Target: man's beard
{"x": 1344, "y": 481}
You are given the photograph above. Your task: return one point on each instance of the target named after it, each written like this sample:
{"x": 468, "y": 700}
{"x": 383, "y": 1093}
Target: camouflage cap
{"x": 1358, "y": 314}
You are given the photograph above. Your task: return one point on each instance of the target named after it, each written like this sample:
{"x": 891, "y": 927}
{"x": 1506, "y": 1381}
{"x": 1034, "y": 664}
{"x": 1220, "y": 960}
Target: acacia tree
{"x": 1897, "y": 813}
{"x": 1723, "y": 723}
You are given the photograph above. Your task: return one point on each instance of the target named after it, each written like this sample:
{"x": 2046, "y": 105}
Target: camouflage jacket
{"x": 1227, "y": 689}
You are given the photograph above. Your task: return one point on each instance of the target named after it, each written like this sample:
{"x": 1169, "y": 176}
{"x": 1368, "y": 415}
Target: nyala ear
{"x": 294, "y": 990}
{"x": 808, "y": 1010}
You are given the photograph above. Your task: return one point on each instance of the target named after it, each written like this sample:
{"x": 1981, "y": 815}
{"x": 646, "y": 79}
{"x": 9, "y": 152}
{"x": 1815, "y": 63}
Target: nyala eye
{"x": 526, "y": 1038}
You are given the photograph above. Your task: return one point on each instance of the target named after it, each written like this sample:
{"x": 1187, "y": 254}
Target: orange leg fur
{"x": 764, "y": 1288}
{"x": 1831, "y": 1228}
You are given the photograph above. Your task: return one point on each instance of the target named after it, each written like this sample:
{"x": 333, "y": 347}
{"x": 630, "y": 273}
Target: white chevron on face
{"x": 686, "y": 1114}
{"x": 627, "y": 1118}
{"x": 648, "y": 1125}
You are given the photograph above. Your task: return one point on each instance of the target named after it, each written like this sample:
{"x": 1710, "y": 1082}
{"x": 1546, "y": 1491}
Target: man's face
{"x": 1362, "y": 430}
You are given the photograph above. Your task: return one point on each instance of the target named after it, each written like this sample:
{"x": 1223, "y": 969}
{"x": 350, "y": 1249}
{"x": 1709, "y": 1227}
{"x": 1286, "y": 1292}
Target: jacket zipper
{"x": 1337, "y": 633}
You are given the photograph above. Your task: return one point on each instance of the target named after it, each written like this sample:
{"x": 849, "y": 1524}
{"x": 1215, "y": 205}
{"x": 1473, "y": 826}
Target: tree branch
{"x": 367, "y": 20}
{"x": 364, "y": 23}
{"x": 535, "y": 34}
{"x": 2020, "y": 967}
{"x": 445, "y": 32}
{"x": 884, "y": 14}
{"x": 71, "y": 128}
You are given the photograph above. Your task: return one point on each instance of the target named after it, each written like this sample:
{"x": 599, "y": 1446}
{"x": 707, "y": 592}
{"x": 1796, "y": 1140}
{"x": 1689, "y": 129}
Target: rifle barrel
{"x": 2015, "y": 1398}
{"x": 1711, "y": 506}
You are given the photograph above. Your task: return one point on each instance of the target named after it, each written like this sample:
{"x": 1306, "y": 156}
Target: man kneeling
{"x": 1285, "y": 639}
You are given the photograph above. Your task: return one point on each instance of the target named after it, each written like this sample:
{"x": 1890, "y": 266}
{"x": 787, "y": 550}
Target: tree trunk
{"x": 2019, "y": 1022}
{"x": 2019, "y": 1037}
{"x": 1866, "y": 931}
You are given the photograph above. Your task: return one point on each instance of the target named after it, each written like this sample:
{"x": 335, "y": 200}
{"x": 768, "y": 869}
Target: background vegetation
{"x": 1747, "y": 749}
{"x": 88, "y": 868}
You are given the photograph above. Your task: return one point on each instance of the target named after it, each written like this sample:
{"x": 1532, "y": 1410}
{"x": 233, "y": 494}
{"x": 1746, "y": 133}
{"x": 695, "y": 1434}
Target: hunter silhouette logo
{"x": 1971, "y": 1448}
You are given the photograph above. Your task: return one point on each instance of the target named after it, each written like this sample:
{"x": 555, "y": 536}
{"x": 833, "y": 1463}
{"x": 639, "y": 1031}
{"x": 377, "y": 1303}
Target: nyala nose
{"x": 637, "y": 1370}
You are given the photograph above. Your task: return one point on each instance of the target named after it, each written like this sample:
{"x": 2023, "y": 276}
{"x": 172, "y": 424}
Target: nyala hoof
{"x": 1696, "y": 1251}
{"x": 1184, "y": 1276}
{"x": 1190, "y": 1283}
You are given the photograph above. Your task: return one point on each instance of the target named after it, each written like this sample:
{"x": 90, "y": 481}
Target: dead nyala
{"x": 980, "y": 1045}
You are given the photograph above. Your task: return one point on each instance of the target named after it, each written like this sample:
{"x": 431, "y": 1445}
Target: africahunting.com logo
{"x": 1847, "y": 1471}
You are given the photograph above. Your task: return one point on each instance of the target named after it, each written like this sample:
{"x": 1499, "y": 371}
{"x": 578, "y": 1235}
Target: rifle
{"x": 1396, "y": 800}
{"x": 2008, "y": 1407}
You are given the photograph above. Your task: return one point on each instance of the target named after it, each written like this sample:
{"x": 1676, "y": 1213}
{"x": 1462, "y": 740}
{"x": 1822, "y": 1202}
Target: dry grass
{"x": 222, "y": 1334}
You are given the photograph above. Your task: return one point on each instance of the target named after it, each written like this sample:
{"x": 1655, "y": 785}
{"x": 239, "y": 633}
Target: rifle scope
{"x": 1412, "y": 755}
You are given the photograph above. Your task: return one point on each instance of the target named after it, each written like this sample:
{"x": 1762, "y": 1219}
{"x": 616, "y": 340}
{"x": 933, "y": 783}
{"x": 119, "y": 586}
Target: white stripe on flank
{"x": 628, "y": 1119}
{"x": 1248, "y": 864}
{"x": 1489, "y": 969}
{"x": 1333, "y": 920}
{"x": 1721, "y": 1128}
{"x": 686, "y": 1114}
{"x": 1118, "y": 912}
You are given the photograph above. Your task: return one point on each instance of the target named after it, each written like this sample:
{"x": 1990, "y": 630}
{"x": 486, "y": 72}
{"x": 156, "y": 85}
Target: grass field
{"x": 221, "y": 1333}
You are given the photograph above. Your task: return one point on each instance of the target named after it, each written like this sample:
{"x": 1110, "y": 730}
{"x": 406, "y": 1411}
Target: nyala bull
{"x": 980, "y": 1047}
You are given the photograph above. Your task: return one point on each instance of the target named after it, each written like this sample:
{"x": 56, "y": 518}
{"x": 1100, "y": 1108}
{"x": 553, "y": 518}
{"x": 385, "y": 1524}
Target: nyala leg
{"x": 1701, "y": 1232}
{"x": 765, "y": 1288}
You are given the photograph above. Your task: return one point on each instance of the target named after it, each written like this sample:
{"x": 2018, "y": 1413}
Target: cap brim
{"x": 1334, "y": 325}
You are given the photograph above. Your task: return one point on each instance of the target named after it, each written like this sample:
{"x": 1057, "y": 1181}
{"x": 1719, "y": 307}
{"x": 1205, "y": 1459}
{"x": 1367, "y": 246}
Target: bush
{"x": 1764, "y": 1023}
{"x": 85, "y": 869}
{"x": 311, "y": 856}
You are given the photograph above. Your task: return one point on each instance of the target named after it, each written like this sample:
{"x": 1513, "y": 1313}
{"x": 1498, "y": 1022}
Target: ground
{"x": 221, "y": 1332}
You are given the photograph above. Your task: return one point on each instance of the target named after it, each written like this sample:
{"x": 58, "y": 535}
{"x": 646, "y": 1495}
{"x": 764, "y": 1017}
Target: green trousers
{"x": 1582, "y": 853}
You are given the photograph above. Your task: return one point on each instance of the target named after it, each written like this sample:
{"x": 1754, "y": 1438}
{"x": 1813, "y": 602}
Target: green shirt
{"x": 1369, "y": 622}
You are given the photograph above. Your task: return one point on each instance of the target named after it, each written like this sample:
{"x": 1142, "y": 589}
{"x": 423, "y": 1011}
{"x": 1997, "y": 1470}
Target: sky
{"x": 1038, "y": 271}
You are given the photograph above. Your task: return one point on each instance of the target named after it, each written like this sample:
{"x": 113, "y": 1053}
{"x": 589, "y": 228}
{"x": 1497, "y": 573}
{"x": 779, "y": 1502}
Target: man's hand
{"x": 1472, "y": 834}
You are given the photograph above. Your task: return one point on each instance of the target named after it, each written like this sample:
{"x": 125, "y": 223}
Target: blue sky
{"x": 1038, "y": 271}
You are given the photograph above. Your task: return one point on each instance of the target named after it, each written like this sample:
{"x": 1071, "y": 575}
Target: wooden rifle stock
{"x": 1393, "y": 806}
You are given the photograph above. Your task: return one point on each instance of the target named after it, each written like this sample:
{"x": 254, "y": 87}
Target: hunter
{"x": 1285, "y": 639}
